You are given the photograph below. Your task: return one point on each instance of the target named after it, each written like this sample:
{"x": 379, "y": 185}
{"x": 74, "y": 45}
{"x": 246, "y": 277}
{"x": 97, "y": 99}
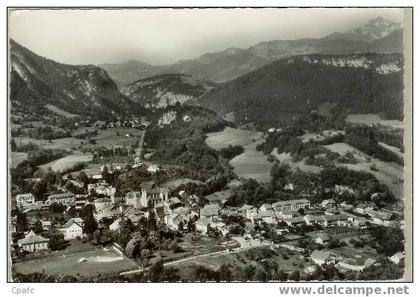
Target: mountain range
{"x": 377, "y": 36}
{"x": 269, "y": 84}
{"x": 290, "y": 87}
{"x": 83, "y": 89}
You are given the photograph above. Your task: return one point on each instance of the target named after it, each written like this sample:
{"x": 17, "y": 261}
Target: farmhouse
{"x": 24, "y": 200}
{"x": 67, "y": 199}
{"x": 32, "y": 242}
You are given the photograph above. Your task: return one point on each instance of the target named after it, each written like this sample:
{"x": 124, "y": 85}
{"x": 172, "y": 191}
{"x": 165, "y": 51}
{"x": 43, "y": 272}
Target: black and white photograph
{"x": 209, "y": 145}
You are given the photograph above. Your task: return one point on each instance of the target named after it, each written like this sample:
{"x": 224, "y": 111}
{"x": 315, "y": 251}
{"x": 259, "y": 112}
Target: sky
{"x": 164, "y": 36}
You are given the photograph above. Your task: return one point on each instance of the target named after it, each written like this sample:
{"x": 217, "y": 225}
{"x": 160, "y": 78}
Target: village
{"x": 320, "y": 234}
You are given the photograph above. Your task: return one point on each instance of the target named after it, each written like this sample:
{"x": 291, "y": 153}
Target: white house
{"x": 397, "y": 258}
{"x": 72, "y": 229}
{"x": 25, "y": 199}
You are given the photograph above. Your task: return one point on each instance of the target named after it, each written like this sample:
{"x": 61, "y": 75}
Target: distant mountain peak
{"x": 373, "y": 30}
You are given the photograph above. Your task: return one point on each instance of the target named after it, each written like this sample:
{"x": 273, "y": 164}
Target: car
{"x": 82, "y": 260}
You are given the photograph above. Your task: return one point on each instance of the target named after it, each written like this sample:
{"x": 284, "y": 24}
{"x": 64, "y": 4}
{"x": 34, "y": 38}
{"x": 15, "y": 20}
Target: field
{"x": 98, "y": 261}
{"x": 372, "y": 119}
{"x": 68, "y": 161}
{"x": 60, "y": 111}
{"x": 231, "y": 136}
{"x": 251, "y": 163}
{"x": 390, "y": 174}
{"x": 16, "y": 158}
{"x": 108, "y": 138}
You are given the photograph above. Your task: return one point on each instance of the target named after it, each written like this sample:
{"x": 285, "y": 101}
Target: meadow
{"x": 251, "y": 163}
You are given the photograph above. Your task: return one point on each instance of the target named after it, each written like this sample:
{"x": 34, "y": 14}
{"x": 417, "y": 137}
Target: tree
{"x": 83, "y": 178}
{"x": 57, "y": 241}
{"x": 38, "y": 227}
{"x": 294, "y": 276}
{"x": 13, "y": 146}
{"x": 151, "y": 221}
{"x": 21, "y": 221}
{"x": 90, "y": 224}
{"x": 181, "y": 226}
{"x": 144, "y": 257}
{"x": 156, "y": 271}
{"x": 190, "y": 225}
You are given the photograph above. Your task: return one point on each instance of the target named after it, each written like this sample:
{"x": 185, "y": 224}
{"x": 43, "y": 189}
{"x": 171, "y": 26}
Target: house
{"x": 67, "y": 199}
{"x": 267, "y": 216}
{"x": 335, "y": 220}
{"x": 328, "y": 203}
{"x": 397, "y": 258}
{"x": 97, "y": 177}
{"x": 363, "y": 208}
{"x": 286, "y": 214}
{"x": 72, "y": 229}
{"x": 116, "y": 225}
{"x": 382, "y": 217}
{"x": 201, "y": 225}
{"x": 265, "y": 207}
{"x": 174, "y": 203}
{"x": 244, "y": 208}
{"x": 295, "y": 221}
{"x": 32, "y": 242}
{"x": 23, "y": 200}
{"x": 322, "y": 238}
{"x": 210, "y": 211}
{"x": 101, "y": 188}
{"x": 101, "y": 203}
{"x": 356, "y": 263}
{"x": 321, "y": 257}
{"x": 46, "y": 225}
{"x": 359, "y": 222}
{"x": 313, "y": 219}
{"x": 153, "y": 168}
{"x": 292, "y": 204}
{"x": 134, "y": 199}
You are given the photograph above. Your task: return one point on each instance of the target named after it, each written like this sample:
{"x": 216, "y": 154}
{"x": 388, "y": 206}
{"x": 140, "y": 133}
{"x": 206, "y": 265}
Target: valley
{"x": 239, "y": 165}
